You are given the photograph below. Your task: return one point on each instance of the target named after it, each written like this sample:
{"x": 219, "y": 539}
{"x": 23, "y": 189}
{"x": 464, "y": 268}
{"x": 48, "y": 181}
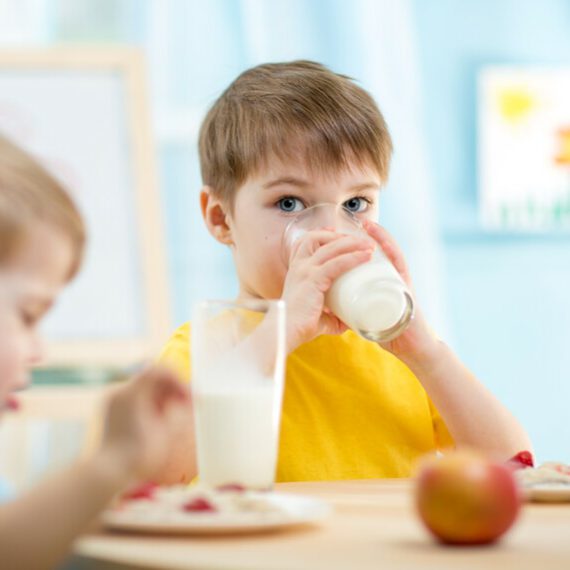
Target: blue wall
{"x": 509, "y": 296}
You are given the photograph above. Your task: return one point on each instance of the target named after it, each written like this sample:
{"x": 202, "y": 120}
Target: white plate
{"x": 156, "y": 517}
{"x": 548, "y": 492}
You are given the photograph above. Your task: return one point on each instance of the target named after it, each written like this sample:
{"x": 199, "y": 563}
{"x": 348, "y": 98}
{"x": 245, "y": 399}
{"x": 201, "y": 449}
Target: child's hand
{"x": 317, "y": 259}
{"x": 418, "y": 338}
{"x": 142, "y": 420}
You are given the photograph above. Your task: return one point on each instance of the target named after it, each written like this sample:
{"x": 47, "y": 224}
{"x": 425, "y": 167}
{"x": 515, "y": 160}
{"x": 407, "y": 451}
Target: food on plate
{"x": 549, "y": 482}
{"x": 142, "y": 491}
{"x": 199, "y": 505}
{"x": 550, "y": 472}
{"x": 151, "y": 500}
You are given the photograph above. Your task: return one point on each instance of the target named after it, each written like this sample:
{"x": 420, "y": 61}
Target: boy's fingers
{"x": 389, "y": 247}
{"x": 323, "y": 245}
{"x": 345, "y": 244}
{"x": 383, "y": 238}
{"x": 335, "y": 267}
{"x": 310, "y": 242}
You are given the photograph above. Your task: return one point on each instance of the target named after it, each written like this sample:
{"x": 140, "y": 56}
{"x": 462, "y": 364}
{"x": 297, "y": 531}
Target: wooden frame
{"x": 129, "y": 65}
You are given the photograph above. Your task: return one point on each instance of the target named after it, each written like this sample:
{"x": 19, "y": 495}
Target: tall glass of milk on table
{"x": 238, "y": 359}
{"x": 371, "y": 299}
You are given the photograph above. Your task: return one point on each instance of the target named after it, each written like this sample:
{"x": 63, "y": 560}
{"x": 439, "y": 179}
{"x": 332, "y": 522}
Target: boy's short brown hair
{"x": 29, "y": 195}
{"x": 286, "y": 110}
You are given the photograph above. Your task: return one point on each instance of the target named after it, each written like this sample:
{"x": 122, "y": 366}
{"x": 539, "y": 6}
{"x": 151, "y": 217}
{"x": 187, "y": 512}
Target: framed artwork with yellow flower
{"x": 524, "y": 148}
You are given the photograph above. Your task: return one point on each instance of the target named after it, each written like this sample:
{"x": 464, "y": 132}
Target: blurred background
{"x": 495, "y": 286}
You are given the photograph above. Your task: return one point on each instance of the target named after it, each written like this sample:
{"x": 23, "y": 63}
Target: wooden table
{"x": 373, "y": 526}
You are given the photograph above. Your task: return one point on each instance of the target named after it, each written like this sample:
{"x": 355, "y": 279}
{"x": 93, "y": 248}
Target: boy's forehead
{"x": 275, "y": 169}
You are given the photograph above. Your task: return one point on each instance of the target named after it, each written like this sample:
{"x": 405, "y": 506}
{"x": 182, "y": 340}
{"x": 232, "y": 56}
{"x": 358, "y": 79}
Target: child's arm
{"x": 472, "y": 414}
{"x": 37, "y": 529}
{"x": 181, "y": 466}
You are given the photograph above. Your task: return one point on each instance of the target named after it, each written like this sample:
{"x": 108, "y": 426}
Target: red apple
{"x": 465, "y": 498}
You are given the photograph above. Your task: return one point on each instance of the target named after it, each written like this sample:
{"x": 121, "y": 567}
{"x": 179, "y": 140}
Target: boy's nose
{"x": 326, "y": 215}
{"x": 37, "y": 350}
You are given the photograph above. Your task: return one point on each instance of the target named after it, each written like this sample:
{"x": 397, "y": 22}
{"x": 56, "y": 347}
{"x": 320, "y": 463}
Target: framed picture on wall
{"x": 524, "y": 148}
{"x": 83, "y": 113}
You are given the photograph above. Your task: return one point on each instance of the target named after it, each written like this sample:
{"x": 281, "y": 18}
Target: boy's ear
{"x": 215, "y": 216}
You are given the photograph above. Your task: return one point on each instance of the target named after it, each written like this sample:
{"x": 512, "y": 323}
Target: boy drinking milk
{"x": 284, "y": 137}
{"x": 41, "y": 244}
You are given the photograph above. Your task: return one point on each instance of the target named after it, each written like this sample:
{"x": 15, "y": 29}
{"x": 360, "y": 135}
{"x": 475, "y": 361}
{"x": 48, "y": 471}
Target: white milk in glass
{"x": 372, "y": 300}
{"x": 237, "y": 433}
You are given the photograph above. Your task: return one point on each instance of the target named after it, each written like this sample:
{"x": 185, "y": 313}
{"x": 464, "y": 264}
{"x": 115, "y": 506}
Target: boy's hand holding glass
{"x": 339, "y": 276}
{"x": 315, "y": 260}
{"x": 417, "y": 338}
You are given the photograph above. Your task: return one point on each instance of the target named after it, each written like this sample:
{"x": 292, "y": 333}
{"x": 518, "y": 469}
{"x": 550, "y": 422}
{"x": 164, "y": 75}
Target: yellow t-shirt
{"x": 351, "y": 410}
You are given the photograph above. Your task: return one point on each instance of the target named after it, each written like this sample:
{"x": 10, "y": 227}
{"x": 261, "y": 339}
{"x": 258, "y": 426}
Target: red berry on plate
{"x": 231, "y": 487}
{"x": 521, "y": 460}
{"x": 199, "y": 505}
{"x": 143, "y": 491}
{"x": 561, "y": 468}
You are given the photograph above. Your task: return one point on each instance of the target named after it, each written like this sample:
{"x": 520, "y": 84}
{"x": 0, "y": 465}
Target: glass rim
{"x": 297, "y": 217}
{"x": 338, "y": 207}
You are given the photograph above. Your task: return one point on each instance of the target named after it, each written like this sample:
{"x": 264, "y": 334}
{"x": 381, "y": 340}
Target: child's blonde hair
{"x": 290, "y": 110}
{"x": 28, "y": 195}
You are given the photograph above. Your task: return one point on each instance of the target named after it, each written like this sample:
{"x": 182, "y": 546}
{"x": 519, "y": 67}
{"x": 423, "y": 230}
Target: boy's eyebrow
{"x": 291, "y": 181}
{"x": 366, "y": 186}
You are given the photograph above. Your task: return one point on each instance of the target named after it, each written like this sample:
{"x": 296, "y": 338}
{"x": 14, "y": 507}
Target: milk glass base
{"x": 394, "y": 331}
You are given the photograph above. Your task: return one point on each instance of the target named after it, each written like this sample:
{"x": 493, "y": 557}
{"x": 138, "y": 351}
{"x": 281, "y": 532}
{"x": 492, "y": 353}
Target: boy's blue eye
{"x": 289, "y": 204}
{"x": 356, "y": 205}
